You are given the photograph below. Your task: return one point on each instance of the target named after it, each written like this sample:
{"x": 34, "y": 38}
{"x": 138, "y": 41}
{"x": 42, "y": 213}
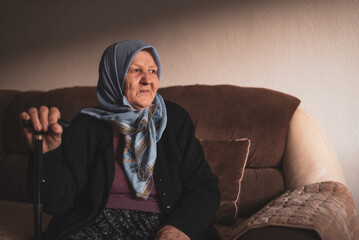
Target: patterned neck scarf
{"x": 142, "y": 128}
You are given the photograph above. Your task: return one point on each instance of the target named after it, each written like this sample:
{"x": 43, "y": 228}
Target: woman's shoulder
{"x": 174, "y": 108}
{"x": 178, "y": 118}
{"x": 85, "y": 123}
{"x": 175, "y": 111}
{"x": 83, "y": 119}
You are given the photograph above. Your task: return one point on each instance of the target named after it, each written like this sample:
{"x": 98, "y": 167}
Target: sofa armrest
{"x": 308, "y": 147}
{"x": 327, "y": 208}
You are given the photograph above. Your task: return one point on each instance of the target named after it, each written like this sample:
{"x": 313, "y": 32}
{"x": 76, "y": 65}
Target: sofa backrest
{"x": 225, "y": 112}
{"x": 219, "y": 112}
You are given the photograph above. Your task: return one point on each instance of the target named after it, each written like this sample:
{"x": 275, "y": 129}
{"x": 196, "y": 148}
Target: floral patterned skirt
{"x": 115, "y": 224}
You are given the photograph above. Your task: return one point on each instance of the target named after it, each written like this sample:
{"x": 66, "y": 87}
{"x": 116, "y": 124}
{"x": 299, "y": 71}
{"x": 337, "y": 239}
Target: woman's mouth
{"x": 144, "y": 91}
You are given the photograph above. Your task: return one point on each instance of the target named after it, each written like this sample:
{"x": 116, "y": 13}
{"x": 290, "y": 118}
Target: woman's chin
{"x": 141, "y": 105}
{"x": 142, "y": 102}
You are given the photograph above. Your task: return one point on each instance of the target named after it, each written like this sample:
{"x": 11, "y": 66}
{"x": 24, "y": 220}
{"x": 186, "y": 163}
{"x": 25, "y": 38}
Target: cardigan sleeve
{"x": 61, "y": 175}
{"x": 199, "y": 201}
{"x": 58, "y": 189}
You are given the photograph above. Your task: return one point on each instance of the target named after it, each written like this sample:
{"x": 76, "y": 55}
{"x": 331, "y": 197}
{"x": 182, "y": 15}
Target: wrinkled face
{"x": 141, "y": 82}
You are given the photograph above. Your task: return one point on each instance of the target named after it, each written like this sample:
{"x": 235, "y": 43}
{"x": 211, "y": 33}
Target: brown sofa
{"x": 279, "y": 177}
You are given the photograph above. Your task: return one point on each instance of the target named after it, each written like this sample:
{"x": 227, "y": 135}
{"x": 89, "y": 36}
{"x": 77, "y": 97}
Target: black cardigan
{"x": 79, "y": 174}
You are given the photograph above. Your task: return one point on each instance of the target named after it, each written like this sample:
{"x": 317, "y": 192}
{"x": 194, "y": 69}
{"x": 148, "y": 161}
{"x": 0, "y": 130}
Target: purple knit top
{"x": 122, "y": 194}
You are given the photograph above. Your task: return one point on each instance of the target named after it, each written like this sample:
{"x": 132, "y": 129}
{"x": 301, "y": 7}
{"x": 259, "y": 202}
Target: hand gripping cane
{"x": 38, "y": 162}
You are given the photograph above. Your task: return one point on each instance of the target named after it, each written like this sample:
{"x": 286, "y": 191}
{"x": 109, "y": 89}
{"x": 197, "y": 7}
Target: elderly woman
{"x": 130, "y": 168}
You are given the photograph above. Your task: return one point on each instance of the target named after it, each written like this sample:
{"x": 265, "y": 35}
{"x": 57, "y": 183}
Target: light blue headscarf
{"x": 142, "y": 128}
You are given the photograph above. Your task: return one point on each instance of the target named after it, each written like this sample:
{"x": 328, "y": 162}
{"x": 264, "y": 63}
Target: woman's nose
{"x": 146, "y": 78}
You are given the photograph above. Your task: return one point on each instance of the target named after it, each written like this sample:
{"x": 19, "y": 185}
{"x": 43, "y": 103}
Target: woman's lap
{"x": 114, "y": 224}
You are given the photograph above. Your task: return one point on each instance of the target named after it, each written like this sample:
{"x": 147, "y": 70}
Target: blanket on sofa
{"x": 303, "y": 207}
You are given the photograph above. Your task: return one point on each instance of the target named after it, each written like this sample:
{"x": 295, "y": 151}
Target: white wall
{"x": 307, "y": 48}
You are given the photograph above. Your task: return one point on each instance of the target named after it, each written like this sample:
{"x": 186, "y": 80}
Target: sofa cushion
{"x": 227, "y": 160}
{"x": 259, "y": 186}
{"x": 13, "y": 177}
{"x": 17, "y": 220}
{"x": 6, "y": 96}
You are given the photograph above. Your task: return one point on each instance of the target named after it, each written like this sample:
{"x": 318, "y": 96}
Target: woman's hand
{"x": 44, "y": 120}
{"x": 169, "y": 232}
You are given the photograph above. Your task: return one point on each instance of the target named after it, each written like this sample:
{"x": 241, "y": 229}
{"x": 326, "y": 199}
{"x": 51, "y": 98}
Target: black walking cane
{"x": 38, "y": 157}
{"x": 38, "y": 163}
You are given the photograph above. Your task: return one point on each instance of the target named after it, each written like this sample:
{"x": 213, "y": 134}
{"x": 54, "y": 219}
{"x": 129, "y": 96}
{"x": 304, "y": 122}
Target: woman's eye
{"x": 153, "y": 71}
{"x": 135, "y": 70}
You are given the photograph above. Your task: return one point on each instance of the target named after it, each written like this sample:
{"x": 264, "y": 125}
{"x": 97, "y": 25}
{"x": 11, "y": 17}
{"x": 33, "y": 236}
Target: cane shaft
{"x": 38, "y": 159}
{"x": 38, "y": 163}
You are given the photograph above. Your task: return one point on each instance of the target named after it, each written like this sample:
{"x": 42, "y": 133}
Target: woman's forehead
{"x": 144, "y": 57}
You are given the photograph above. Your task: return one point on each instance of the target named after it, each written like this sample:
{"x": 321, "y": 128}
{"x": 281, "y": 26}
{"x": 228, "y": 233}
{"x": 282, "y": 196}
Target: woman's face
{"x": 141, "y": 82}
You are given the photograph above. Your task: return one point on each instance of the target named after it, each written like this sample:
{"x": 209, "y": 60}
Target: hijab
{"x": 142, "y": 128}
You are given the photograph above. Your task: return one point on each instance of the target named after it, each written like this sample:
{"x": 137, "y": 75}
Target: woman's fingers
{"x": 34, "y": 117}
{"x": 55, "y": 128}
{"x": 45, "y": 120}
{"x": 41, "y": 119}
{"x": 24, "y": 116}
{"x": 169, "y": 232}
{"x": 54, "y": 116}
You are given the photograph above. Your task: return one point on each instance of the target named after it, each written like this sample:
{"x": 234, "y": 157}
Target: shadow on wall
{"x": 27, "y": 27}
